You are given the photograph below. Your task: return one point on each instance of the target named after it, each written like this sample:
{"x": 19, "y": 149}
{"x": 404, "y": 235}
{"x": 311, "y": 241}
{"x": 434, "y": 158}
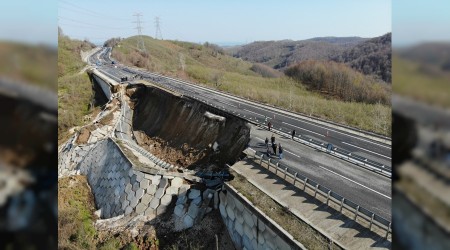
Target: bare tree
{"x": 217, "y": 79}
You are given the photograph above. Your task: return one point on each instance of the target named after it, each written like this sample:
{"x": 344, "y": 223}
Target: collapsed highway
{"x": 358, "y": 179}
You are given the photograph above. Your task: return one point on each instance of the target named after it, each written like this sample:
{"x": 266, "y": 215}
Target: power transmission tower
{"x": 158, "y": 29}
{"x": 140, "y": 39}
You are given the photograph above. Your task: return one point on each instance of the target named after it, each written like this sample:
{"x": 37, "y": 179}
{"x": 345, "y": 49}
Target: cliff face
{"x": 187, "y": 124}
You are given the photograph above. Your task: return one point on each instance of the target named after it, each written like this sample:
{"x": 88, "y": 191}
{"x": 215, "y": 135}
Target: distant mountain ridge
{"x": 371, "y": 56}
{"x": 339, "y": 40}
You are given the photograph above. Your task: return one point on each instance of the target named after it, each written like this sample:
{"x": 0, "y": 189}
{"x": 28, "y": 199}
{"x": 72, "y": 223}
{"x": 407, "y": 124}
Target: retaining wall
{"x": 103, "y": 85}
{"x": 119, "y": 188}
{"x": 248, "y": 227}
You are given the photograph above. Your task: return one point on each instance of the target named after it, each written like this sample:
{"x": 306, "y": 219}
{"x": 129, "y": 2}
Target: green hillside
{"x": 421, "y": 81}
{"x": 209, "y": 65}
{"x": 74, "y": 89}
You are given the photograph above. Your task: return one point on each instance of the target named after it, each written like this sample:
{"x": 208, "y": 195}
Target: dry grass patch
{"x": 207, "y": 66}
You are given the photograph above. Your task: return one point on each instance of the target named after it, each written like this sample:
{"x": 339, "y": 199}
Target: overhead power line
{"x": 90, "y": 24}
{"x": 75, "y": 25}
{"x": 87, "y": 11}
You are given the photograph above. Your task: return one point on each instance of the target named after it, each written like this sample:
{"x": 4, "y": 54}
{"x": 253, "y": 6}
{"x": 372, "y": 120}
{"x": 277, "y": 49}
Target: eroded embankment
{"x": 184, "y": 131}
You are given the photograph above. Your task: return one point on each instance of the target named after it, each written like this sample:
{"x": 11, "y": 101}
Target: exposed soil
{"x": 183, "y": 131}
{"x": 185, "y": 156}
{"x": 84, "y": 135}
{"x": 201, "y": 236}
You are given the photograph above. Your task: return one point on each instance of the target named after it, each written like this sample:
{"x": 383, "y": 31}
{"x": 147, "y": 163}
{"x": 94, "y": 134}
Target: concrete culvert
{"x": 184, "y": 131}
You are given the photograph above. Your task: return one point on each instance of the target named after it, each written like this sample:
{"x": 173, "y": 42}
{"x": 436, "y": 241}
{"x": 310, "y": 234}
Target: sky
{"x": 225, "y": 21}
{"x": 29, "y": 21}
{"x": 417, "y": 21}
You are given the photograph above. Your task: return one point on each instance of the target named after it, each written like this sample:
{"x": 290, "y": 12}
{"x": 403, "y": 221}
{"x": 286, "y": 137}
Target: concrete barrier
{"x": 249, "y": 227}
{"x": 357, "y": 210}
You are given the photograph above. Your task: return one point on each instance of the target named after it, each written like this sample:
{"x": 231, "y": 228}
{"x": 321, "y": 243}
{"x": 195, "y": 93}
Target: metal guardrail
{"x": 358, "y": 210}
{"x": 322, "y": 146}
{"x": 337, "y": 152}
{"x": 319, "y": 189}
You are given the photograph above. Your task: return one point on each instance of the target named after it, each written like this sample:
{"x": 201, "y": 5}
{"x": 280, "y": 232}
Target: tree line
{"x": 340, "y": 81}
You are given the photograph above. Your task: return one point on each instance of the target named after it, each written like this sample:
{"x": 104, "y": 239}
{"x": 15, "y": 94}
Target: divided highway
{"x": 358, "y": 184}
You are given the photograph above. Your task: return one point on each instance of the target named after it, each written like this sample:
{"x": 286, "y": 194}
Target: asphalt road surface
{"x": 364, "y": 187}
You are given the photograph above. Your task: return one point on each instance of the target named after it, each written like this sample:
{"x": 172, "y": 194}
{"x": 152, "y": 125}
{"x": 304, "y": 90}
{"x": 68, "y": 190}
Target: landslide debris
{"x": 184, "y": 131}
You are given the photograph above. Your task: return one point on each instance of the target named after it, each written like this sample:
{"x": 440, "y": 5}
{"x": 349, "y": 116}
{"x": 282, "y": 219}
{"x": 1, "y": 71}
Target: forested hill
{"x": 369, "y": 56}
{"x": 281, "y": 54}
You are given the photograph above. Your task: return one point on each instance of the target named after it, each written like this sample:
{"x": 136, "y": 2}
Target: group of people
{"x": 274, "y": 147}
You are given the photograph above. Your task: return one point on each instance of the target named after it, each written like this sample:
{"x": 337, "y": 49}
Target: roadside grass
{"x": 207, "y": 67}
{"x": 301, "y": 231}
{"x": 75, "y": 92}
{"x": 286, "y": 93}
{"x": 74, "y": 102}
{"x": 409, "y": 81}
{"x": 75, "y": 218}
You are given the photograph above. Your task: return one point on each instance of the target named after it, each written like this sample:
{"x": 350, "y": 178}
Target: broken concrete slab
{"x": 166, "y": 199}
{"x": 197, "y": 201}
{"x": 177, "y": 182}
{"x": 179, "y": 210}
{"x": 193, "y": 210}
{"x": 194, "y": 193}
{"x": 152, "y": 189}
{"x": 144, "y": 183}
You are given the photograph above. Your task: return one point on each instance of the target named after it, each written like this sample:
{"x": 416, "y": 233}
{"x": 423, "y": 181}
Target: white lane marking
{"x": 340, "y": 175}
{"x": 303, "y": 129}
{"x": 357, "y": 183}
{"x": 255, "y": 113}
{"x": 301, "y": 120}
{"x": 367, "y": 150}
{"x": 229, "y": 104}
{"x": 284, "y": 150}
{"x": 333, "y": 130}
{"x": 292, "y": 154}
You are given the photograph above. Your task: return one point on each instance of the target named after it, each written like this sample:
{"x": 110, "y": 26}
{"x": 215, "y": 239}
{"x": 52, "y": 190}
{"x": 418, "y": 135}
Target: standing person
{"x": 274, "y": 147}
{"x": 293, "y": 134}
{"x": 268, "y": 151}
{"x": 266, "y": 142}
{"x": 269, "y": 125}
{"x": 272, "y": 139}
{"x": 280, "y": 151}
